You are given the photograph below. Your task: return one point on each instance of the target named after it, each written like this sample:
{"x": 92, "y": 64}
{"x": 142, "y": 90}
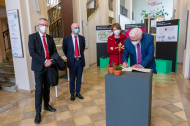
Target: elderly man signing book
{"x": 140, "y": 46}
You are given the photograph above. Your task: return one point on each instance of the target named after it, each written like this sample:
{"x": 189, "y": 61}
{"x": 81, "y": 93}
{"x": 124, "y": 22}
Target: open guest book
{"x": 137, "y": 69}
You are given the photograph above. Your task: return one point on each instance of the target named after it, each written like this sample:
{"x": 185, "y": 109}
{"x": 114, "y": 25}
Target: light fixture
{"x": 148, "y": 0}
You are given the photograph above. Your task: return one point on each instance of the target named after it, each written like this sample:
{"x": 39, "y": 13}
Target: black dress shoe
{"x": 49, "y": 108}
{"x": 37, "y": 119}
{"x": 72, "y": 98}
{"x": 79, "y": 96}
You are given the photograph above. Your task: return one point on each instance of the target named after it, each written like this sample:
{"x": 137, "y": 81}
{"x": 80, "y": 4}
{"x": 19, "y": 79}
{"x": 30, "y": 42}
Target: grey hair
{"x": 135, "y": 31}
{"x": 42, "y": 19}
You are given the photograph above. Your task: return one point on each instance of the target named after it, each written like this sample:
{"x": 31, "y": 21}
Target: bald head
{"x": 73, "y": 27}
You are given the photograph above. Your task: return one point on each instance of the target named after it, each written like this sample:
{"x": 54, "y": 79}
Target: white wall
{"x": 140, "y": 5}
{"x": 28, "y": 19}
{"x": 124, "y": 20}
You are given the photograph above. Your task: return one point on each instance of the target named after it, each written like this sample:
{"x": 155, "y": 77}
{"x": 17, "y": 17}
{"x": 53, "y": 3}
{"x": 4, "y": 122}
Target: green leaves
{"x": 119, "y": 67}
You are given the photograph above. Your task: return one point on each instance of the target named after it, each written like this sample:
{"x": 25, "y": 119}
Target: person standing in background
{"x": 73, "y": 48}
{"x": 41, "y": 48}
{"x": 113, "y": 41}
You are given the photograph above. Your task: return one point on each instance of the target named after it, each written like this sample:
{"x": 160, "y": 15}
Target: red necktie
{"x": 76, "y": 47}
{"x": 46, "y": 48}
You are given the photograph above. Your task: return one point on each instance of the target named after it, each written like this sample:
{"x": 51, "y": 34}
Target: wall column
{"x": 80, "y": 14}
{"x": 2, "y": 46}
{"x": 67, "y": 16}
{"x": 128, "y": 6}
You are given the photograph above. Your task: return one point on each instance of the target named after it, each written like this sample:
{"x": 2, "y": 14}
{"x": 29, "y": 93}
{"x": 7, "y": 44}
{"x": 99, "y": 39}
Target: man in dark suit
{"x": 41, "y": 48}
{"x": 140, "y": 46}
{"x": 73, "y": 47}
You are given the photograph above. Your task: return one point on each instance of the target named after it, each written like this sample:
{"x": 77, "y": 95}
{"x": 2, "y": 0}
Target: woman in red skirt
{"x": 113, "y": 42}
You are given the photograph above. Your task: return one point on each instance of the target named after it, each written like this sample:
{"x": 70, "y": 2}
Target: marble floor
{"x": 170, "y": 103}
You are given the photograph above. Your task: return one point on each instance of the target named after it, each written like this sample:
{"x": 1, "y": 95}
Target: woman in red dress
{"x": 113, "y": 41}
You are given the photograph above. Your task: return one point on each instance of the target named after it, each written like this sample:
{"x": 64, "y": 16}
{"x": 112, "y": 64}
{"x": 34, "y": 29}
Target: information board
{"x": 85, "y": 32}
{"x": 15, "y": 35}
{"x": 167, "y": 35}
{"x": 102, "y": 34}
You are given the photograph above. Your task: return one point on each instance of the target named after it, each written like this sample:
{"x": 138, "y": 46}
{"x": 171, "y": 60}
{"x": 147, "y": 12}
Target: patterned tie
{"x": 46, "y": 48}
{"x": 76, "y": 47}
{"x": 138, "y": 54}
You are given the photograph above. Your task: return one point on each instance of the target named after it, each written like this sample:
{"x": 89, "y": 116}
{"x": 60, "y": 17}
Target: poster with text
{"x": 129, "y": 27}
{"x": 14, "y": 30}
{"x": 166, "y": 31}
{"x": 167, "y": 35}
{"x": 102, "y": 33}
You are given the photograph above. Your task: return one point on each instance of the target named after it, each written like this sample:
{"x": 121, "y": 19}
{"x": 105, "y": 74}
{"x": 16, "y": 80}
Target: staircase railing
{"x": 6, "y": 38}
{"x": 54, "y": 13}
{"x": 55, "y": 29}
{"x": 110, "y": 5}
{"x": 52, "y": 2}
{"x": 92, "y": 10}
{"x": 123, "y": 11}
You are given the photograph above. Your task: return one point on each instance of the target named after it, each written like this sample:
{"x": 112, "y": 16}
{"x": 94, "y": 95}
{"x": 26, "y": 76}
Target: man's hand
{"x": 136, "y": 66}
{"x": 111, "y": 48}
{"x": 48, "y": 63}
{"x": 125, "y": 65}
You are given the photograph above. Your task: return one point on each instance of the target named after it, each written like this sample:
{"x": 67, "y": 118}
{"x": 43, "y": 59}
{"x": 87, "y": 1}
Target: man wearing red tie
{"x": 73, "y": 48}
{"x": 41, "y": 48}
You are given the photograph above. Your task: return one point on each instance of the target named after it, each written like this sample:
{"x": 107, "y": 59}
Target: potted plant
{"x": 118, "y": 70}
{"x": 111, "y": 67}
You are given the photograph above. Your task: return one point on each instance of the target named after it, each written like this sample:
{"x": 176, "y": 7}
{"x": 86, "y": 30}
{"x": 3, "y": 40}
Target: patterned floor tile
{"x": 167, "y": 105}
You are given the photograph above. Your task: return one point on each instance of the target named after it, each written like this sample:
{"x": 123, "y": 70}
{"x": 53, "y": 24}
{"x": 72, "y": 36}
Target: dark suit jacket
{"x": 58, "y": 64}
{"x": 68, "y": 49}
{"x": 147, "y": 52}
{"x": 36, "y": 50}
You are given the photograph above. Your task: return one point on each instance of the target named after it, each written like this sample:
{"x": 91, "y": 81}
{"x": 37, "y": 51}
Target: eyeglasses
{"x": 44, "y": 25}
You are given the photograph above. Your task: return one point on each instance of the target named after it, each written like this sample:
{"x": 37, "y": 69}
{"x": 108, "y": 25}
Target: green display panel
{"x": 163, "y": 66}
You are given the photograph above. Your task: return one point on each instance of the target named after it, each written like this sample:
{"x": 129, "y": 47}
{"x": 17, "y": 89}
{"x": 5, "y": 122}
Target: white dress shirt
{"x": 41, "y": 36}
{"x": 73, "y": 37}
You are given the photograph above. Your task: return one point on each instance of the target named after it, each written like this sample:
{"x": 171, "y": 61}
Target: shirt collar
{"x": 41, "y": 34}
{"x": 73, "y": 35}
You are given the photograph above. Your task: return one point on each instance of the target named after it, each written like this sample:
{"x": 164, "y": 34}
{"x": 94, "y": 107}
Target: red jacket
{"x": 114, "y": 54}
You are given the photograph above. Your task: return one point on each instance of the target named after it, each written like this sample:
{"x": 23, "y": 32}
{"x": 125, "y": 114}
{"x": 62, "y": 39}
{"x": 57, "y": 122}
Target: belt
{"x": 78, "y": 58}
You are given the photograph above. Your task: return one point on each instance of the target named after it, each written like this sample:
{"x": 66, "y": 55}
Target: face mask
{"x": 135, "y": 42}
{"x": 43, "y": 29}
{"x": 117, "y": 32}
{"x": 76, "y": 31}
